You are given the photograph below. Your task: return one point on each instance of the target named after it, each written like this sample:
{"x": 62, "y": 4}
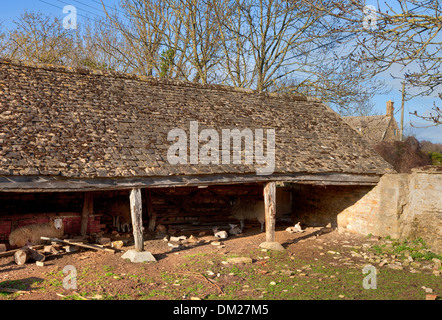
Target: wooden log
{"x": 12, "y": 252}
{"x": 270, "y": 210}
{"x": 24, "y": 254}
{"x": 88, "y": 205}
{"x": 136, "y": 211}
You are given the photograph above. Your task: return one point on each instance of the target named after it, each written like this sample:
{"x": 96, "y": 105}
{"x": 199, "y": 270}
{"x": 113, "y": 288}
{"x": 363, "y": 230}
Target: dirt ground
{"x": 316, "y": 264}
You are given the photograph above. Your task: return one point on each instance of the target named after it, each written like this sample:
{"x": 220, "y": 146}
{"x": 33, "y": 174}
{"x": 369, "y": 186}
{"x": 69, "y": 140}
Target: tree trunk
{"x": 137, "y": 218}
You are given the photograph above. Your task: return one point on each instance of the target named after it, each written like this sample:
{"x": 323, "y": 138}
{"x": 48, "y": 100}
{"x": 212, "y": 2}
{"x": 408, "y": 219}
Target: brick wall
{"x": 71, "y": 221}
{"x": 17, "y": 210}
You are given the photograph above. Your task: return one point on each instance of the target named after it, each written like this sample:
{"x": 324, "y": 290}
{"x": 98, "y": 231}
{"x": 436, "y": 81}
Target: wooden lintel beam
{"x": 62, "y": 184}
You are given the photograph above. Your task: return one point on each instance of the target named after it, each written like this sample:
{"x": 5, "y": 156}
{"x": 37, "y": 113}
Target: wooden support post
{"x": 136, "y": 210}
{"x": 270, "y": 210}
{"x": 150, "y": 212}
{"x": 88, "y": 207}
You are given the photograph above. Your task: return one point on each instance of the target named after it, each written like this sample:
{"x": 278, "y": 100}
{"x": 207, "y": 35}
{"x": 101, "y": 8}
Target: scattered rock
{"x": 383, "y": 263}
{"x": 272, "y": 283}
{"x": 431, "y": 297}
{"x": 177, "y": 239}
{"x": 236, "y": 260}
{"x": 104, "y": 240}
{"x": 395, "y": 266}
{"x": 193, "y": 239}
{"x": 427, "y": 290}
{"x": 71, "y": 248}
{"x": 215, "y": 243}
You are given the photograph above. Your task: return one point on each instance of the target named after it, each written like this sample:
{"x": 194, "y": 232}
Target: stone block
{"x": 138, "y": 256}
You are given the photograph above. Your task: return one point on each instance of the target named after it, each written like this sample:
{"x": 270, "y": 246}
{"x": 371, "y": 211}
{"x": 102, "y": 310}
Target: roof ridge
{"x": 153, "y": 80}
{"x": 379, "y": 115}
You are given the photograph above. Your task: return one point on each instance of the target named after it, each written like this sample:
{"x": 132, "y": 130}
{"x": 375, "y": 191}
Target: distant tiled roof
{"x": 57, "y": 121}
{"x": 373, "y": 128}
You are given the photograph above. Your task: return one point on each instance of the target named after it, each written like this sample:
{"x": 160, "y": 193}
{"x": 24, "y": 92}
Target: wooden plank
{"x": 83, "y": 245}
{"x": 270, "y": 210}
{"x": 136, "y": 210}
{"x": 88, "y": 206}
{"x": 63, "y": 184}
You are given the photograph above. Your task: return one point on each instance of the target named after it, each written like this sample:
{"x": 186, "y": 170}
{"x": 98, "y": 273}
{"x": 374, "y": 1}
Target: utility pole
{"x": 402, "y": 112}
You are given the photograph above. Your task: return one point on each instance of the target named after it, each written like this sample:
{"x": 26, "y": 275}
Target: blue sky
{"x": 11, "y": 9}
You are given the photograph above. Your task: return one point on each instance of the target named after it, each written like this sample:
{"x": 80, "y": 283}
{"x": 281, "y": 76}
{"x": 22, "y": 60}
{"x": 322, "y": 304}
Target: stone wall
{"x": 423, "y": 217}
{"x": 318, "y": 206}
{"x": 401, "y": 206}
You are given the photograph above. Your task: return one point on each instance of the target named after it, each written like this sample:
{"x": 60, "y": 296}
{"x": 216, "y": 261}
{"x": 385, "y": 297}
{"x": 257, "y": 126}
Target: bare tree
{"x": 141, "y": 25}
{"x": 199, "y": 34}
{"x": 260, "y": 38}
{"x": 103, "y": 48}
{"x": 404, "y": 32}
{"x": 151, "y": 28}
{"x": 283, "y": 46}
{"x": 40, "y": 38}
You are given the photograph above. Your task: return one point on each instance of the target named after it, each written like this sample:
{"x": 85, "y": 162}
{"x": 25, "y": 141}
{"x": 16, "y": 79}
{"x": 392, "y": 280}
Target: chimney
{"x": 390, "y": 108}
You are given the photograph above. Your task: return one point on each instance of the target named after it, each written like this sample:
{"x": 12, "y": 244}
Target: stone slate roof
{"x": 77, "y": 123}
{"x": 373, "y": 128}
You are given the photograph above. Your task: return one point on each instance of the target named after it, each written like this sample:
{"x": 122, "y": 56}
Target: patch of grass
{"x": 13, "y": 284}
{"x": 107, "y": 268}
{"x": 417, "y": 249}
{"x": 190, "y": 256}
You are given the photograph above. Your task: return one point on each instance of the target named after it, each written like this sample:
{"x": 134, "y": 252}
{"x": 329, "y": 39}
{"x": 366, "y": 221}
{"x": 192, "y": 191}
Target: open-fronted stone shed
{"x": 73, "y": 140}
